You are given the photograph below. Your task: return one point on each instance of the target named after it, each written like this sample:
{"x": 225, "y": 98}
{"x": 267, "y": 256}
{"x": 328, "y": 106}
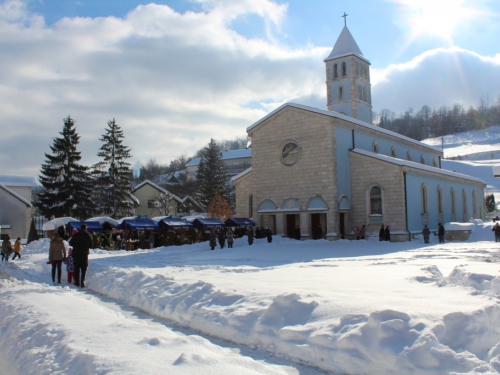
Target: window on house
{"x": 422, "y": 159}
{"x": 434, "y": 162}
{"x": 344, "y": 69}
{"x": 408, "y": 155}
{"x": 464, "y": 203}
{"x": 393, "y": 152}
{"x": 250, "y": 206}
{"x": 341, "y": 94}
{"x": 474, "y": 204}
{"x": 375, "y": 201}
{"x": 453, "y": 202}
{"x": 440, "y": 200}
{"x": 375, "y": 147}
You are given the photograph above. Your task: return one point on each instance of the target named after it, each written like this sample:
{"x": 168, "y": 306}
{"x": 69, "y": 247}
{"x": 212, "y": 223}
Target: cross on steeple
{"x": 345, "y": 19}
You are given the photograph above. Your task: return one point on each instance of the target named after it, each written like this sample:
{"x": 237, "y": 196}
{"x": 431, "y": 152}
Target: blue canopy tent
{"x": 239, "y": 222}
{"x": 174, "y": 223}
{"x": 138, "y": 223}
{"x": 92, "y": 226}
{"x": 208, "y": 223}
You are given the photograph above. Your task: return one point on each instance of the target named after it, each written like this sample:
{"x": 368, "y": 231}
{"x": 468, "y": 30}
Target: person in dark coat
{"x": 269, "y": 235}
{"x": 258, "y": 233}
{"x": 362, "y": 232}
{"x": 81, "y": 243}
{"x": 297, "y": 234}
{"x": 441, "y": 233}
{"x": 496, "y": 229}
{"x": 426, "y": 233}
{"x": 222, "y": 239}
{"x": 250, "y": 236}
{"x": 6, "y": 248}
{"x": 381, "y": 233}
{"x": 230, "y": 238}
{"x": 387, "y": 234}
{"x": 319, "y": 232}
{"x": 213, "y": 239}
{"x": 57, "y": 253}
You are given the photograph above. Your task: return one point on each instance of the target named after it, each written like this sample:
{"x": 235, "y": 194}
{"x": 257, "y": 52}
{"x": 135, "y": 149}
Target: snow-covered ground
{"x": 347, "y": 307}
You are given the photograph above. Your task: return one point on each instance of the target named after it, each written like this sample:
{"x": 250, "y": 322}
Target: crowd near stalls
{"x": 142, "y": 232}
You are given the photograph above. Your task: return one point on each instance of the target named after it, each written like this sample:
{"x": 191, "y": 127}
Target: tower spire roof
{"x": 345, "y": 46}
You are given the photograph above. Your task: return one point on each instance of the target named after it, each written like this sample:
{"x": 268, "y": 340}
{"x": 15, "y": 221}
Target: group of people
{"x": 7, "y": 248}
{"x": 76, "y": 259}
{"x": 384, "y": 234}
{"x": 426, "y": 233}
{"x": 221, "y": 235}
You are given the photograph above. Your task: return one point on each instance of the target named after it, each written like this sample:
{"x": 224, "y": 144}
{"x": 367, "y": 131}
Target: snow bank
{"x": 382, "y": 342}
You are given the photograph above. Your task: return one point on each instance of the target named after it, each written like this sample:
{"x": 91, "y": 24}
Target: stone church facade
{"x": 332, "y": 168}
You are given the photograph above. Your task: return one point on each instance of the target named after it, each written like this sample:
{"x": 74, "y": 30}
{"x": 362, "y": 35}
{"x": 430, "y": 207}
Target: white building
{"x": 15, "y": 205}
{"x": 235, "y": 161}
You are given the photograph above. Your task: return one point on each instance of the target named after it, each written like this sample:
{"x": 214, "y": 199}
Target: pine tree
{"x": 67, "y": 184}
{"x": 112, "y": 174}
{"x": 490, "y": 204}
{"x": 211, "y": 175}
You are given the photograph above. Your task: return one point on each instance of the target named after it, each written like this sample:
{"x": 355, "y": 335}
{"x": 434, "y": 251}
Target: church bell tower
{"x": 348, "y": 79}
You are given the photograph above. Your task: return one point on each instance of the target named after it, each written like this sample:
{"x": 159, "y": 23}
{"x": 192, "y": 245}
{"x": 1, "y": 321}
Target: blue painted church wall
{"x": 414, "y": 183}
{"x": 343, "y": 141}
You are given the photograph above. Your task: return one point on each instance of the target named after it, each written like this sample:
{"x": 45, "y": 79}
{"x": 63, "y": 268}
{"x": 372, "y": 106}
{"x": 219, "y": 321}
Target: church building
{"x": 333, "y": 168}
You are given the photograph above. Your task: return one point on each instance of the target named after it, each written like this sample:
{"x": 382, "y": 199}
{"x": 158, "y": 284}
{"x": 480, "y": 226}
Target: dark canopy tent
{"x": 174, "y": 223}
{"x": 139, "y": 223}
{"x": 208, "y": 223}
{"x": 239, "y": 222}
{"x": 92, "y": 226}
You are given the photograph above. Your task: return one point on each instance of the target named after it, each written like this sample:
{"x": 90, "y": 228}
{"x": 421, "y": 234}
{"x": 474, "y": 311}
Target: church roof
{"x": 345, "y": 118}
{"x": 346, "y": 46}
{"x": 415, "y": 165}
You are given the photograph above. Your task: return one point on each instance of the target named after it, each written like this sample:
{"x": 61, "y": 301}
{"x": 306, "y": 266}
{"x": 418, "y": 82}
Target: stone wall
{"x": 243, "y": 186}
{"x": 365, "y": 171}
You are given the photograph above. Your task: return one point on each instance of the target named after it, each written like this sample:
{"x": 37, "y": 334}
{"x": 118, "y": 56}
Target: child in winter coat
{"x": 17, "y": 248}
{"x": 70, "y": 267}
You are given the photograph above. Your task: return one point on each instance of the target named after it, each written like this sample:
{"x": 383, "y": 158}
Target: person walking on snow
{"x": 250, "y": 236}
{"x": 70, "y": 266}
{"x": 17, "y": 248}
{"x": 6, "y": 248}
{"x": 57, "y": 252}
{"x": 213, "y": 239}
{"x": 496, "y": 229}
{"x": 222, "y": 238}
{"x": 230, "y": 238}
{"x": 426, "y": 233}
{"x": 441, "y": 233}
{"x": 381, "y": 233}
{"x": 387, "y": 234}
{"x": 81, "y": 243}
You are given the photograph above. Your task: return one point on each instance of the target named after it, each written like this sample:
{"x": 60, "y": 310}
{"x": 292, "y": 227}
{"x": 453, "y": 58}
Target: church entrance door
{"x": 318, "y": 220}
{"x": 290, "y": 225}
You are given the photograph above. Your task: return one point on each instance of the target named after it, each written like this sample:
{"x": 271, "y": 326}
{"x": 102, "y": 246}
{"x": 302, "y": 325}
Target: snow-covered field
{"x": 346, "y": 307}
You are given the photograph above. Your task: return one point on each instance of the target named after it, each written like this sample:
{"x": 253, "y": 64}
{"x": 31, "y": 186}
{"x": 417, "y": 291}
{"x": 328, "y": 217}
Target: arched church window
{"x": 440, "y": 200}
{"x": 364, "y": 94}
{"x": 425, "y": 201}
{"x": 393, "y": 152}
{"x": 453, "y": 202}
{"x": 335, "y": 71}
{"x": 344, "y": 69}
{"x": 474, "y": 204}
{"x": 408, "y": 155}
{"x": 359, "y": 93}
{"x": 434, "y": 162}
{"x": 250, "y": 206}
{"x": 341, "y": 94}
{"x": 375, "y": 147}
{"x": 376, "y": 201}
{"x": 422, "y": 159}
{"x": 464, "y": 205}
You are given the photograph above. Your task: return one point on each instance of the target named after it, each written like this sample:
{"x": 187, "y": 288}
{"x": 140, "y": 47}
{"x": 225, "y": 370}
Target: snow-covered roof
{"x": 345, "y": 46}
{"x": 415, "y": 165}
{"x": 13, "y": 180}
{"x": 164, "y": 191}
{"x": 188, "y": 197}
{"x": 134, "y": 198}
{"x": 345, "y": 118}
{"x": 239, "y": 175}
{"x": 26, "y": 202}
{"x": 227, "y": 155}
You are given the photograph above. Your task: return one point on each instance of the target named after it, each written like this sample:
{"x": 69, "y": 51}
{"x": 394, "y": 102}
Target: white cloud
{"x": 171, "y": 80}
{"x": 442, "y": 76}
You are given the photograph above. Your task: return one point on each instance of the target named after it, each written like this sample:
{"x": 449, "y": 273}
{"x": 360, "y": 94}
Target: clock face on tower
{"x": 290, "y": 153}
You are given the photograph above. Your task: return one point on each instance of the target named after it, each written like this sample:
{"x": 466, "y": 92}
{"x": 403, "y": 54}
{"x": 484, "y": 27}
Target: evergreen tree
{"x": 112, "y": 174}
{"x": 33, "y": 234}
{"x": 490, "y": 204}
{"x": 211, "y": 175}
{"x": 67, "y": 184}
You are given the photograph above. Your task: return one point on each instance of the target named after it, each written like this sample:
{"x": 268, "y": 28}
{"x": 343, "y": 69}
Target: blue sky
{"x": 175, "y": 73}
